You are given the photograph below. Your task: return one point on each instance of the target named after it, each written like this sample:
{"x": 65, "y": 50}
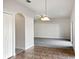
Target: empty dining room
{"x": 39, "y": 29}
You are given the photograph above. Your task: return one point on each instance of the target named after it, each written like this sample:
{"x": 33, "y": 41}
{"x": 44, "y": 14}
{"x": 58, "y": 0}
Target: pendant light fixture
{"x": 45, "y": 17}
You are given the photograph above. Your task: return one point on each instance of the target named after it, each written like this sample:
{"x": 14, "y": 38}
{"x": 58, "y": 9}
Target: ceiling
{"x": 55, "y": 8}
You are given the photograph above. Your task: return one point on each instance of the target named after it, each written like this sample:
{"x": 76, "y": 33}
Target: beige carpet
{"x": 39, "y": 52}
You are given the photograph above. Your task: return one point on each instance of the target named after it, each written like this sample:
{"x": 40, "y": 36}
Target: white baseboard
{"x": 29, "y": 46}
{"x": 48, "y": 37}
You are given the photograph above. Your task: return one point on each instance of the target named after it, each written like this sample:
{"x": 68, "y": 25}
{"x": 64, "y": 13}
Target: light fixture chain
{"x": 46, "y": 7}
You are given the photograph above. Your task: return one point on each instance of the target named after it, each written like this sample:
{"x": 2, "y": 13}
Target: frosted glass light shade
{"x": 45, "y": 18}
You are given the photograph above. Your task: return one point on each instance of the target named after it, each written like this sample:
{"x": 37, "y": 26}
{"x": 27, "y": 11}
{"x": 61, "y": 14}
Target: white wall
{"x": 7, "y": 41}
{"x": 76, "y": 29}
{"x": 58, "y": 28}
{"x": 73, "y": 27}
{"x": 13, "y": 7}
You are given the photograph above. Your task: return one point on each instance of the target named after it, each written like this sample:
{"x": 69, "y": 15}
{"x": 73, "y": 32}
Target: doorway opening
{"x": 19, "y": 33}
{"x": 54, "y": 33}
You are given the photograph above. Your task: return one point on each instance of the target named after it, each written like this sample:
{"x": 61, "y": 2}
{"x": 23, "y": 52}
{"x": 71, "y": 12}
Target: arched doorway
{"x": 19, "y": 33}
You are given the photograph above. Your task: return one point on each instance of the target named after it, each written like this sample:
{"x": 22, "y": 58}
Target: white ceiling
{"x": 56, "y": 8}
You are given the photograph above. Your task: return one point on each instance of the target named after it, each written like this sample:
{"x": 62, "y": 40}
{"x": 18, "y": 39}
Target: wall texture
{"x": 13, "y": 7}
{"x": 59, "y": 28}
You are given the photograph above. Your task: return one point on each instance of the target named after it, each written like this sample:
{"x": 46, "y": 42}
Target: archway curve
{"x": 19, "y": 33}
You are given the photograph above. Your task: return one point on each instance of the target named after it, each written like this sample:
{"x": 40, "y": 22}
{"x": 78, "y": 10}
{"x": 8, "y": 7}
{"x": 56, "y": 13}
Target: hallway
{"x": 39, "y": 52}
